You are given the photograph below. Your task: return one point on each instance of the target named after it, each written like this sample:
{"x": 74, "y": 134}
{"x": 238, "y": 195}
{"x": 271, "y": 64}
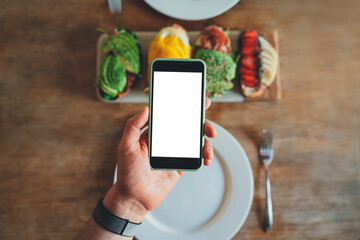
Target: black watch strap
{"x": 113, "y": 223}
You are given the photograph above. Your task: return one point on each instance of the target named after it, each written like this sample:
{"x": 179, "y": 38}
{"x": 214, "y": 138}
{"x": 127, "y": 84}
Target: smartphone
{"x": 177, "y": 114}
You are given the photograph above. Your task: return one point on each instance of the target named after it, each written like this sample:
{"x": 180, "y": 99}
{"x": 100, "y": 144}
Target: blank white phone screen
{"x": 176, "y": 114}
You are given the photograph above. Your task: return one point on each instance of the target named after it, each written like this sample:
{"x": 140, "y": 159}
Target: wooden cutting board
{"x": 137, "y": 93}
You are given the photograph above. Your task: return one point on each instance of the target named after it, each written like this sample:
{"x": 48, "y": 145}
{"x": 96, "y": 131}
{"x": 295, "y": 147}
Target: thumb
{"x": 133, "y": 126}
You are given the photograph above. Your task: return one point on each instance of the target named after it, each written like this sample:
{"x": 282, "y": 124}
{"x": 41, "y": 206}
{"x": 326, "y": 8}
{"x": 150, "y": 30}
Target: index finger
{"x": 207, "y": 103}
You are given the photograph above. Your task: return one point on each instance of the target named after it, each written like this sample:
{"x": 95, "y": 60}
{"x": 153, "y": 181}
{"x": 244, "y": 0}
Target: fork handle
{"x": 268, "y": 221}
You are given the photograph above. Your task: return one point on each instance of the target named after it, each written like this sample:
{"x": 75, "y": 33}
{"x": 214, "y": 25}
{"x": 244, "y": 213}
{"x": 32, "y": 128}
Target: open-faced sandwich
{"x": 214, "y": 48}
{"x": 170, "y": 42}
{"x": 121, "y": 64}
{"x": 258, "y": 63}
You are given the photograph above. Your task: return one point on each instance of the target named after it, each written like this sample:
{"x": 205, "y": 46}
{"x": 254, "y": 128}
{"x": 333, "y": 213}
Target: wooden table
{"x": 57, "y": 141}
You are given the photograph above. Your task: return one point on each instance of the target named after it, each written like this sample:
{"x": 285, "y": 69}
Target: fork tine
{"x": 266, "y": 144}
{"x": 111, "y": 6}
{"x": 115, "y": 6}
{"x": 119, "y": 4}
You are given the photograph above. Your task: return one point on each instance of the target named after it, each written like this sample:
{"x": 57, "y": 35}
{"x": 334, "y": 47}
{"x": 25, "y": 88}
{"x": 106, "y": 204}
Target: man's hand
{"x": 138, "y": 188}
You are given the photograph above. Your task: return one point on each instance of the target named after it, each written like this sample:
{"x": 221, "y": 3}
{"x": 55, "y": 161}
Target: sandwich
{"x": 214, "y": 48}
{"x": 170, "y": 42}
{"x": 258, "y": 63}
{"x": 121, "y": 64}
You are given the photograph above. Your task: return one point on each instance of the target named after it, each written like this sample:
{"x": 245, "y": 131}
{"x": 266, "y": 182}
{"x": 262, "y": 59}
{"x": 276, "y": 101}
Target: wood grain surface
{"x": 57, "y": 141}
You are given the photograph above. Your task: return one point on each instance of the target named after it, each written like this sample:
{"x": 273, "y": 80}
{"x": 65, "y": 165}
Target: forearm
{"x": 120, "y": 206}
{"x": 94, "y": 231}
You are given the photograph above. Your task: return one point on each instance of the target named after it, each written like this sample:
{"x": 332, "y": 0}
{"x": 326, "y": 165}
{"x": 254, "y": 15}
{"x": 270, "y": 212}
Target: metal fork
{"x": 115, "y": 6}
{"x": 266, "y": 155}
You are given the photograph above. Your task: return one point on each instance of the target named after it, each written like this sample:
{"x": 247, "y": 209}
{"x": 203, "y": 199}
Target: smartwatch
{"x": 113, "y": 223}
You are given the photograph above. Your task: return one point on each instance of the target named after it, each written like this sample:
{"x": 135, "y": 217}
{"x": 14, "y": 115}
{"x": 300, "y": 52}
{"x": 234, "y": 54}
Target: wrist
{"x": 124, "y": 206}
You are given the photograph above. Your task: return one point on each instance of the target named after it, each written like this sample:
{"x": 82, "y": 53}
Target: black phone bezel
{"x": 177, "y": 65}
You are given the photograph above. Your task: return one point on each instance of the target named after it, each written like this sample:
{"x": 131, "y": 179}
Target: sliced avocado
{"x": 116, "y": 74}
{"x": 220, "y": 71}
{"x": 112, "y": 77}
{"x": 103, "y": 83}
{"x": 124, "y": 45}
{"x": 108, "y": 90}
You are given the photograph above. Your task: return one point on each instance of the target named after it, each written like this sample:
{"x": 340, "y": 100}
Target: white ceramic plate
{"x": 212, "y": 203}
{"x": 192, "y": 9}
